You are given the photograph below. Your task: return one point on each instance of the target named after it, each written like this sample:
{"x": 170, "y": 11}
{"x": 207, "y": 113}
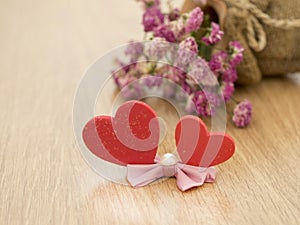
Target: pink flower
{"x": 187, "y": 53}
{"x": 133, "y": 90}
{"x": 213, "y": 100}
{"x": 190, "y": 105}
{"x": 205, "y": 103}
{"x": 158, "y": 48}
{"x": 152, "y": 81}
{"x": 178, "y": 28}
{"x": 236, "y": 53}
{"x": 189, "y": 44}
{"x": 200, "y": 103}
{"x": 201, "y": 73}
{"x": 214, "y": 36}
{"x": 152, "y": 18}
{"x": 187, "y": 87}
{"x": 217, "y": 61}
{"x": 176, "y": 75}
{"x": 174, "y": 14}
{"x": 219, "y": 65}
{"x": 242, "y": 113}
{"x": 229, "y": 74}
{"x": 227, "y": 89}
{"x": 134, "y": 50}
{"x": 164, "y": 31}
{"x": 194, "y": 20}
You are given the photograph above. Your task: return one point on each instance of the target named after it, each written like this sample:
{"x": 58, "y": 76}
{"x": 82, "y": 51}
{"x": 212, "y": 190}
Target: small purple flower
{"x": 214, "y": 36}
{"x": 201, "y": 73}
{"x": 194, "y": 20}
{"x": 178, "y": 28}
{"x": 158, "y": 48}
{"x": 236, "y": 51}
{"x": 133, "y": 90}
{"x": 187, "y": 53}
{"x": 184, "y": 58}
{"x": 164, "y": 31}
{"x": 214, "y": 100}
{"x": 126, "y": 80}
{"x": 229, "y": 74}
{"x": 201, "y": 104}
{"x": 187, "y": 87}
{"x": 219, "y": 65}
{"x": 242, "y": 113}
{"x": 205, "y": 102}
{"x": 217, "y": 61}
{"x": 227, "y": 89}
{"x": 134, "y": 50}
{"x": 190, "y": 44}
{"x": 152, "y": 81}
{"x": 152, "y": 18}
{"x": 176, "y": 75}
{"x": 174, "y": 14}
{"x": 190, "y": 105}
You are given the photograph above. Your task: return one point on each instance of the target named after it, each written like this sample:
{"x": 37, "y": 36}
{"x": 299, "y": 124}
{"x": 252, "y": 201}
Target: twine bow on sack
{"x": 254, "y": 18}
{"x": 252, "y": 23}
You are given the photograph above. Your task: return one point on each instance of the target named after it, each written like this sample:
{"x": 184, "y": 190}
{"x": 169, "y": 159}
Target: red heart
{"x": 197, "y": 147}
{"x": 131, "y": 137}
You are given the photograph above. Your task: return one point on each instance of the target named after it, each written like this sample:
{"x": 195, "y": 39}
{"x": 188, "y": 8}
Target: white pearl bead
{"x": 168, "y": 159}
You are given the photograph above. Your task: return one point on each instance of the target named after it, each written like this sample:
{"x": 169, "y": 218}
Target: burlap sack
{"x": 269, "y": 30}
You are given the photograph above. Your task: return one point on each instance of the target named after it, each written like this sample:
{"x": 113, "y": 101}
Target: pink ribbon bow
{"x": 187, "y": 176}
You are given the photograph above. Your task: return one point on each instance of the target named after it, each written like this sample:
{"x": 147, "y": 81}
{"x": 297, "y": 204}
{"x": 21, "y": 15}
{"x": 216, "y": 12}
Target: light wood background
{"x": 45, "y": 47}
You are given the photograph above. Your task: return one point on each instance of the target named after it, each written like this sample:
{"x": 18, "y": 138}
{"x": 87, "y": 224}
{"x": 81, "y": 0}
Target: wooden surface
{"x": 45, "y": 46}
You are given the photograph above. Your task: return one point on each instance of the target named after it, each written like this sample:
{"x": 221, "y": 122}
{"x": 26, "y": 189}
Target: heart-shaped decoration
{"x": 197, "y": 147}
{"x": 131, "y": 137}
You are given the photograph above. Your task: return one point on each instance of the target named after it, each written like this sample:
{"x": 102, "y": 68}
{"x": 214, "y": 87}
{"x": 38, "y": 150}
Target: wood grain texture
{"x": 45, "y": 48}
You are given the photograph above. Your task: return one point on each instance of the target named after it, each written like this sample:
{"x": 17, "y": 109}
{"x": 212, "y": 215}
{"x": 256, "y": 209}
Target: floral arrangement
{"x": 207, "y": 76}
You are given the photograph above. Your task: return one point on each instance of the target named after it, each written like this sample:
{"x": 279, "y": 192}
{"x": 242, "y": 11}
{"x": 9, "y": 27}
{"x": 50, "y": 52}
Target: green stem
{"x": 205, "y": 50}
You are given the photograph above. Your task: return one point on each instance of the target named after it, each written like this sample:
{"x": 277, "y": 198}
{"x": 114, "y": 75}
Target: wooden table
{"x": 45, "y": 46}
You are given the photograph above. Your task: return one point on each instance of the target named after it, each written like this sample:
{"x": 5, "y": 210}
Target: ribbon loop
{"x": 169, "y": 170}
{"x": 187, "y": 176}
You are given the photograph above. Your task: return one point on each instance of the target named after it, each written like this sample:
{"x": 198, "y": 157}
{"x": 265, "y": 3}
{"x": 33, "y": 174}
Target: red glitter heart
{"x": 197, "y": 147}
{"x": 131, "y": 137}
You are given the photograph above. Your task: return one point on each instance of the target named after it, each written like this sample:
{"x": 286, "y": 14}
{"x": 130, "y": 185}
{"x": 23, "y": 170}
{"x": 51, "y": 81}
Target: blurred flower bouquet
{"x": 180, "y": 49}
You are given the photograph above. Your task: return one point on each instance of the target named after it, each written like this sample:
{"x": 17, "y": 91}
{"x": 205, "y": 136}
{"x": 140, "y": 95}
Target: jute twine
{"x": 269, "y": 31}
{"x": 255, "y": 33}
